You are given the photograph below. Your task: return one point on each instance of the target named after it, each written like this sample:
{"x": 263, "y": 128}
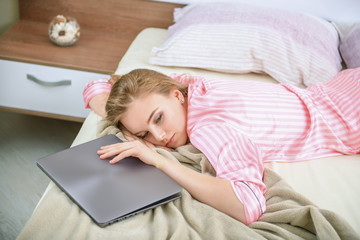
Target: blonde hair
{"x": 134, "y": 84}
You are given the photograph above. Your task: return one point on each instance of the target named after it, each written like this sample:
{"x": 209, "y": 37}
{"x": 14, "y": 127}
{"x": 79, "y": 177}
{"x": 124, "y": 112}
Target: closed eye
{"x": 145, "y": 135}
{"x": 158, "y": 119}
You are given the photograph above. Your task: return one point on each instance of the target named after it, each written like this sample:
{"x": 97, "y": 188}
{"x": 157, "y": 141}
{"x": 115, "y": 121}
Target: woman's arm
{"x": 98, "y": 102}
{"x": 95, "y": 95}
{"x": 235, "y": 157}
{"x": 215, "y": 192}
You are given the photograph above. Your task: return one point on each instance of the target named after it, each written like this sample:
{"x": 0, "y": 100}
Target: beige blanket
{"x": 289, "y": 215}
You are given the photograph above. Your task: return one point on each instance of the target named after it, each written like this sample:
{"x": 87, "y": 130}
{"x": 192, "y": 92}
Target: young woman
{"x": 238, "y": 125}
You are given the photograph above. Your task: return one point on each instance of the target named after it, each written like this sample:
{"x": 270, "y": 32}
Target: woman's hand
{"x": 135, "y": 148}
{"x": 131, "y": 137}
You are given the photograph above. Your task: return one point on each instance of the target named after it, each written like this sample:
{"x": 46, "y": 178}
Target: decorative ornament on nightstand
{"x": 64, "y": 30}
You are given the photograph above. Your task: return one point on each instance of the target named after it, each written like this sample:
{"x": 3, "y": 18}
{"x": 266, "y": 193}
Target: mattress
{"x": 330, "y": 183}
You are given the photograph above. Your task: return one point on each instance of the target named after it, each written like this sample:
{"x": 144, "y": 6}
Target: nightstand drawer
{"x": 44, "y": 89}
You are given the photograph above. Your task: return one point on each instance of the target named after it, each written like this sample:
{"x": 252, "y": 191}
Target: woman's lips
{"x": 170, "y": 141}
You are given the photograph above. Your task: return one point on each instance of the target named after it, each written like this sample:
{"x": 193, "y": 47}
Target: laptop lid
{"x": 106, "y": 192}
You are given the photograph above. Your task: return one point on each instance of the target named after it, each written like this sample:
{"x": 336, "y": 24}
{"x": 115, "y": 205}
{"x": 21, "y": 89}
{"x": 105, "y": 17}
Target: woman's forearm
{"x": 98, "y": 103}
{"x": 215, "y": 192}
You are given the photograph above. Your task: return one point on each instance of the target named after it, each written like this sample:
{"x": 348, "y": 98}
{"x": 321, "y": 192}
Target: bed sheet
{"x": 330, "y": 183}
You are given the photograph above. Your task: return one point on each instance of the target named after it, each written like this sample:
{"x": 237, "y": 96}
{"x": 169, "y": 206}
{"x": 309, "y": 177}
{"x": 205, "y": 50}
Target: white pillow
{"x": 229, "y": 37}
{"x": 350, "y": 47}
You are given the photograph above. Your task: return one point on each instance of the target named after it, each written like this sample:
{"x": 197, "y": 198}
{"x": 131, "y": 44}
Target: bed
{"x": 317, "y": 198}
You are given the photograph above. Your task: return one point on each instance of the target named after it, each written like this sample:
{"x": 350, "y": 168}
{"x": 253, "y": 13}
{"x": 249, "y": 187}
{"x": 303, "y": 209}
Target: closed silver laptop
{"x": 106, "y": 192}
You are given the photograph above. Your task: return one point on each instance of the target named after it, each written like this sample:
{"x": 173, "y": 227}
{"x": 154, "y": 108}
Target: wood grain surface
{"x": 107, "y": 29}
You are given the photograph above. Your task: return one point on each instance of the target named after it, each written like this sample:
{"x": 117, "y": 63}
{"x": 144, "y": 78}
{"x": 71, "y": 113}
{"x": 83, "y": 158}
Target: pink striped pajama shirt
{"x": 94, "y": 88}
{"x": 239, "y": 125}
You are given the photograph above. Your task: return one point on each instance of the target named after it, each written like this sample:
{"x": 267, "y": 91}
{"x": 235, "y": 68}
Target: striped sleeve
{"x": 94, "y": 88}
{"x": 235, "y": 158}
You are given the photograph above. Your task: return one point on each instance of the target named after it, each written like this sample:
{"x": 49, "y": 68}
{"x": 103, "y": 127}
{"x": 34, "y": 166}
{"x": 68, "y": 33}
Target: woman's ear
{"x": 176, "y": 93}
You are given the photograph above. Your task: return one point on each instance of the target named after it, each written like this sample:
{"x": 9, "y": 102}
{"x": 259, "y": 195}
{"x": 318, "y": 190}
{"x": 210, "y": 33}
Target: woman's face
{"x": 158, "y": 119}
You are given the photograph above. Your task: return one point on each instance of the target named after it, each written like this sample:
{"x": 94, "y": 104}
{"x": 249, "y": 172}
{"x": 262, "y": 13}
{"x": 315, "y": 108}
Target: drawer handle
{"x": 48, "y": 84}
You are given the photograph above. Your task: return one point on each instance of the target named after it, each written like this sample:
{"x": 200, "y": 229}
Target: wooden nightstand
{"x": 38, "y": 77}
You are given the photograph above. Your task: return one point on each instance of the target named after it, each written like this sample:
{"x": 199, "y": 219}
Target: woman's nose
{"x": 159, "y": 134}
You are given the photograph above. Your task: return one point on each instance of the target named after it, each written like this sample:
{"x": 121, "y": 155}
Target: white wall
{"x": 9, "y": 14}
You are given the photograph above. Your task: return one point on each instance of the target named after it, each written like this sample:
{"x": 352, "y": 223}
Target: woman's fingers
{"x": 131, "y": 137}
{"x": 125, "y": 149}
{"x": 120, "y": 156}
{"x": 111, "y": 150}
